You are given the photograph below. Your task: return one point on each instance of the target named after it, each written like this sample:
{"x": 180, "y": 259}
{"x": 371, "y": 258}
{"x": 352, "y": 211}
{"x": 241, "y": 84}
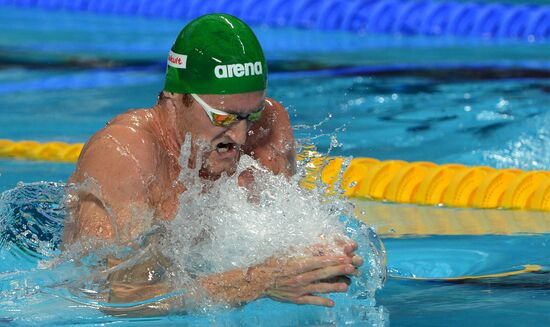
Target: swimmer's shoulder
{"x": 274, "y": 106}
{"x": 271, "y": 139}
{"x": 275, "y": 117}
{"x": 125, "y": 140}
{"x": 131, "y": 128}
{"x": 132, "y": 118}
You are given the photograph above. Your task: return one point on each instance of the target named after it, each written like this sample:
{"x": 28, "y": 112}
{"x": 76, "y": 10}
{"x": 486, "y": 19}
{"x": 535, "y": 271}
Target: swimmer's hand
{"x": 293, "y": 280}
{"x": 300, "y": 281}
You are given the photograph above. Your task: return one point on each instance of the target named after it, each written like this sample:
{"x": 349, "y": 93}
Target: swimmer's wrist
{"x": 248, "y": 274}
{"x": 235, "y": 287}
{"x": 255, "y": 280}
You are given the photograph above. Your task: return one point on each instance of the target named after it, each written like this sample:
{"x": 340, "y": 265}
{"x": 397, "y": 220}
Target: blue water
{"x": 63, "y": 76}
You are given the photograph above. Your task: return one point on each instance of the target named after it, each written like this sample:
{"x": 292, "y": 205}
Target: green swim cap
{"x": 216, "y": 54}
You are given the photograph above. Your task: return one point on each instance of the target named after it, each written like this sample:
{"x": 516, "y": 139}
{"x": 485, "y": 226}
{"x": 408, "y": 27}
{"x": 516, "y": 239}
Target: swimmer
{"x": 214, "y": 91}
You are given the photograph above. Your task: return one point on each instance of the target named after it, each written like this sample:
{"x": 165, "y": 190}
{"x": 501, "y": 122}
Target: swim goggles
{"x": 222, "y": 118}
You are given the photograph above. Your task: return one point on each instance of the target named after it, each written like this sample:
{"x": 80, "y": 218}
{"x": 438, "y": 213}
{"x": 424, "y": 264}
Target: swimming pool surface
{"x": 63, "y": 76}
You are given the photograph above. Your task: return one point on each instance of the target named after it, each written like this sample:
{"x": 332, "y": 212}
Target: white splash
{"x": 221, "y": 226}
{"x": 527, "y": 152}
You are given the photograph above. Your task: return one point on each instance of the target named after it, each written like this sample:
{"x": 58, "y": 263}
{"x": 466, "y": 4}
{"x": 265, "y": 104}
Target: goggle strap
{"x": 208, "y": 108}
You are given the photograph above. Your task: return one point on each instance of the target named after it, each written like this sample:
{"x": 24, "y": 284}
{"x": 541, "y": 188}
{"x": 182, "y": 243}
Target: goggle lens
{"x": 223, "y": 120}
{"x": 229, "y": 119}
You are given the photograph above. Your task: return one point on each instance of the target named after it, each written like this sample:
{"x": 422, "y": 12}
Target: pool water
{"x": 63, "y": 76}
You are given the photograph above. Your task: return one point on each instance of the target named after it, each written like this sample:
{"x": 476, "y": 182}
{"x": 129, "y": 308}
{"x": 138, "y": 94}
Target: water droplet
{"x": 334, "y": 142}
{"x": 502, "y": 103}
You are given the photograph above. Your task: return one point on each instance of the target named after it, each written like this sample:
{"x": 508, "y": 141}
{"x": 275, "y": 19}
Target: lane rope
{"x": 414, "y": 17}
{"x": 425, "y": 183}
{"x": 31, "y": 150}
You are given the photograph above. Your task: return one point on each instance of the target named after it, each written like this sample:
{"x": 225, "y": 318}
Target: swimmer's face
{"x": 225, "y": 143}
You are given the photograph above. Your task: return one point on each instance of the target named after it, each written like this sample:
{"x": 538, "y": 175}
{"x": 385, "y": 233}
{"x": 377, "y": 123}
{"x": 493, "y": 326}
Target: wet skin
{"x": 132, "y": 166}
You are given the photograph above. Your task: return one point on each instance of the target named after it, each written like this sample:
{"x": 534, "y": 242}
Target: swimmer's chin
{"x": 213, "y": 170}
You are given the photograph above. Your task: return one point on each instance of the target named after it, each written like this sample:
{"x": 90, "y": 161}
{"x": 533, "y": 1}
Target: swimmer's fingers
{"x": 290, "y": 293}
{"x": 350, "y": 248}
{"x": 327, "y": 273}
{"x": 301, "y": 299}
{"x": 319, "y": 275}
{"x": 357, "y": 260}
{"x": 303, "y": 265}
{"x": 344, "y": 241}
{"x": 316, "y": 300}
{"x": 324, "y": 288}
{"x": 345, "y": 245}
{"x": 338, "y": 279}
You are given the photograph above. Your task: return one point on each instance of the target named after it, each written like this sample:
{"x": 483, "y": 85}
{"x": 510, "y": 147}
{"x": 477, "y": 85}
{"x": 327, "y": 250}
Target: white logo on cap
{"x": 238, "y": 70}
{"x": 177, "y": 60}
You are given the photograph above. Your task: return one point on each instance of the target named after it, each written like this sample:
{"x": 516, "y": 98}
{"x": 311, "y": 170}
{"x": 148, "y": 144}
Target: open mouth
{"x": 225, "y": 146}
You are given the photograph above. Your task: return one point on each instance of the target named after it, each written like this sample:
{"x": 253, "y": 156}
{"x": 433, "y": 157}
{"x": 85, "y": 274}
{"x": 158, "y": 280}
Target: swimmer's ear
{"x": 163, "y": 95}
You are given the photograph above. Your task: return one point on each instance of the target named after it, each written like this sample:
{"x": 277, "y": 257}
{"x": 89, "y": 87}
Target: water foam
{"x": 220, "y": 226}
{"x": 527, "y": 152}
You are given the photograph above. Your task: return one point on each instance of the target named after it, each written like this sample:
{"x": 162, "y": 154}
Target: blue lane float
{"x": 362, "y": 16}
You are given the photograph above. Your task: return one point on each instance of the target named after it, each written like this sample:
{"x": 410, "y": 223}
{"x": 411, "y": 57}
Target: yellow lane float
{"x": 426, "y": 183}
{"x": 31, "y": 150}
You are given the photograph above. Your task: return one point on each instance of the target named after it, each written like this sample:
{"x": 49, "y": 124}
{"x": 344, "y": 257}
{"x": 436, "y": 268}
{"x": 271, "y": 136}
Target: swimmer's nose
{"x": 238, "y": 131}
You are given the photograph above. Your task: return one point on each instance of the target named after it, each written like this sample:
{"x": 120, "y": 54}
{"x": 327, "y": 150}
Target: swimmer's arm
{"x": 299, "y": 281}
{"x": 110, "y": 187}
{"x": 272, "y": 140}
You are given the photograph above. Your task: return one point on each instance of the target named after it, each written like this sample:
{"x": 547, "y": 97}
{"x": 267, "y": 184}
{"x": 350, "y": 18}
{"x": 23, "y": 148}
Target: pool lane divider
{"x": 31, "y": 150}
{"x": 425, "y": 183}
{"x": 413, "y": 17}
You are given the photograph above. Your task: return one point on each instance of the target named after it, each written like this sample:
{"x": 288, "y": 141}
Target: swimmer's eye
{"x": 226, "y": 120}
{"x": 223, "y": 120}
